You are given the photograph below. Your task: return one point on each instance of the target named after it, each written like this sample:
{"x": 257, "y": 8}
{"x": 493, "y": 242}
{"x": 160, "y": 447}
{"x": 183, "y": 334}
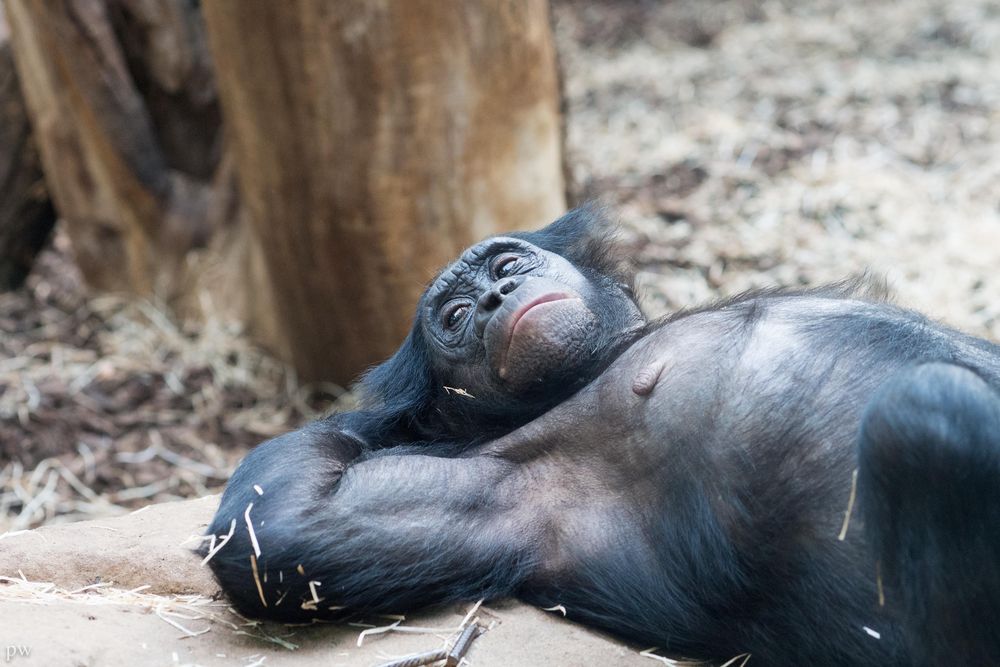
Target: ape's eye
{"x": 454, "y": 314}
{"x": 504, "y": 265}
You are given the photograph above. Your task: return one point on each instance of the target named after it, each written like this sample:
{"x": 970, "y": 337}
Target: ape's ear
{"x": 586, "y": 236}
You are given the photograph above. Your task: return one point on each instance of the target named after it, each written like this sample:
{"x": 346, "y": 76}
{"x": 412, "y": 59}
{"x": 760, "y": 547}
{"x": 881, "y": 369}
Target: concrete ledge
{"x": 103, "y": 625}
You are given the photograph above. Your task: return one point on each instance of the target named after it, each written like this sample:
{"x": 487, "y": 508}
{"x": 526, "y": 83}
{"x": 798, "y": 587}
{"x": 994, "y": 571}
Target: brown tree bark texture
{"x": 26, "y": 213}
{"x": 122, "y": 99}
{"x": 374, "y": 140}
{"x": 123, "y": 107}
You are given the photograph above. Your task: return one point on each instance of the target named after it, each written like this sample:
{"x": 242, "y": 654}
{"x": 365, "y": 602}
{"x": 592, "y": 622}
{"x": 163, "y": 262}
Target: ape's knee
{"x": 929, "y": 491}
{"x": 929, "y": 453}
{"x": 929, "y": 425}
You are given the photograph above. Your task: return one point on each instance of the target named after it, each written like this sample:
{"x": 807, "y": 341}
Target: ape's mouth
{"x": 515, "y": 319}
{"x": 533, "y": 310}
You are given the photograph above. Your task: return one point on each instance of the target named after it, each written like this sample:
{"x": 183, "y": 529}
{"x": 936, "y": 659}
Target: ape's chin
{"x": 547, "y": 342}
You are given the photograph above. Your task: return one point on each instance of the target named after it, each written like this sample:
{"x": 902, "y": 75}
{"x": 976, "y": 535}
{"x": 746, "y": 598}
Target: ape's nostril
{"x": 508, "y": 287}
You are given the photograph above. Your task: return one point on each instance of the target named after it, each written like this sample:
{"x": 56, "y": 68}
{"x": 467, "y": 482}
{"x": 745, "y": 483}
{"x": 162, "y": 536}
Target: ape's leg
{"x": 389, "y": 533}
{"x": 929, "y": 484}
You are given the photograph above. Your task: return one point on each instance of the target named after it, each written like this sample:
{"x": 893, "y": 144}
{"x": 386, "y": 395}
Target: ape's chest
{"x": 699, "y": 398}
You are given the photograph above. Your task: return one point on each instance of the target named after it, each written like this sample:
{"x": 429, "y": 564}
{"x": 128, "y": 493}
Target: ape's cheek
{"x": 548, "y": 342}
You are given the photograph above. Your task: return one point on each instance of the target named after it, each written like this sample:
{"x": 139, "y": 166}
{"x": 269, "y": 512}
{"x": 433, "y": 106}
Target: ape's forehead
{"x": 467, "y": 272}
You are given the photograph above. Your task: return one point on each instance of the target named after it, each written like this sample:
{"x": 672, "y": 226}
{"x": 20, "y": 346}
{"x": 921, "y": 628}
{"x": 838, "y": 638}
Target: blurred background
{"x": 214, "y": 214}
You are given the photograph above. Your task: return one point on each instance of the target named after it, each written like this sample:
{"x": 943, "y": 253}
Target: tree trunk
{"x": 124, "y": 111}
{"x": 26, "y": 213}
{"x": 377, "y": 139}
{"x": 121, "y": 96}
{"x": 370, "y": 141}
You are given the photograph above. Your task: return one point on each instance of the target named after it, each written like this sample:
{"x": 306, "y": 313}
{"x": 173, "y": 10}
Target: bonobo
{"x": 462, "y": 376}
{"x": 811, "y": 477}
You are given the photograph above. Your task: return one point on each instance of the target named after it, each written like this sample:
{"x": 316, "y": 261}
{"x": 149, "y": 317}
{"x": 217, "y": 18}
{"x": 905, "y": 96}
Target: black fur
{"x": 704, "y": 517}
{"x": 930, "y": 467}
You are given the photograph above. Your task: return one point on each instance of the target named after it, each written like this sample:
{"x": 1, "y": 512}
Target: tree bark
{"x": 26, "y": 213}
{"x": 367, "y": 142}
{"x": 375, "y": 140}
{"x": 121, "y": 98}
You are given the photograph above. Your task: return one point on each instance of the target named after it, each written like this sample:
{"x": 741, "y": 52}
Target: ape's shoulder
{"x": 764, "y": 335}
{"x": 866, "y": 288}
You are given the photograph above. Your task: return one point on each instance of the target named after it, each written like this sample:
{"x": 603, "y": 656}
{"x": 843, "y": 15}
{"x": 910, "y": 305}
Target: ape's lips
{"x": 515, "y": 319}
{"x": 524, "y": 309}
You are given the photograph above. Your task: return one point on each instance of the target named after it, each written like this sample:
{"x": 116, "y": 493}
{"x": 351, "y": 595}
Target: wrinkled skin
{"x": 516, "y": 325}
{"x": 511, "y": 317}
{"x": 692, "y": 495}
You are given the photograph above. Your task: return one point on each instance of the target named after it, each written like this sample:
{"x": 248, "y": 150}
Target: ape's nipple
{"x": 647, "y": 377}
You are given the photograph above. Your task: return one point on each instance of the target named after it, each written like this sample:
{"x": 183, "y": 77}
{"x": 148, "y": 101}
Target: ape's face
{"x": 509, "y": 316}
{"x": 519, "y": 323}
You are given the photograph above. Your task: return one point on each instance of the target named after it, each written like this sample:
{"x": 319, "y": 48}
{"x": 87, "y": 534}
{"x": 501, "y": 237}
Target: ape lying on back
{"x": 686, "y": 483}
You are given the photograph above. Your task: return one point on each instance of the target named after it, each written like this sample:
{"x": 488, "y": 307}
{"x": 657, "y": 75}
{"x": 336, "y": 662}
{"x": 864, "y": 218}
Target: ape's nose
{"x": 491, "y": 300}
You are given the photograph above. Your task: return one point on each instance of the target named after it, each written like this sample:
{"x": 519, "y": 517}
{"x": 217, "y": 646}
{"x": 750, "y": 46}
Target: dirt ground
{"x": 743, "y": 143}
{"x": 790, "y": 143}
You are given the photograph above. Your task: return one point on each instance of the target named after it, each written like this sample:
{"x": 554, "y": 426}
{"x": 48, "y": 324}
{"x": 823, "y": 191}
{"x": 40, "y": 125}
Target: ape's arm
{"x": 387, "y": 533}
